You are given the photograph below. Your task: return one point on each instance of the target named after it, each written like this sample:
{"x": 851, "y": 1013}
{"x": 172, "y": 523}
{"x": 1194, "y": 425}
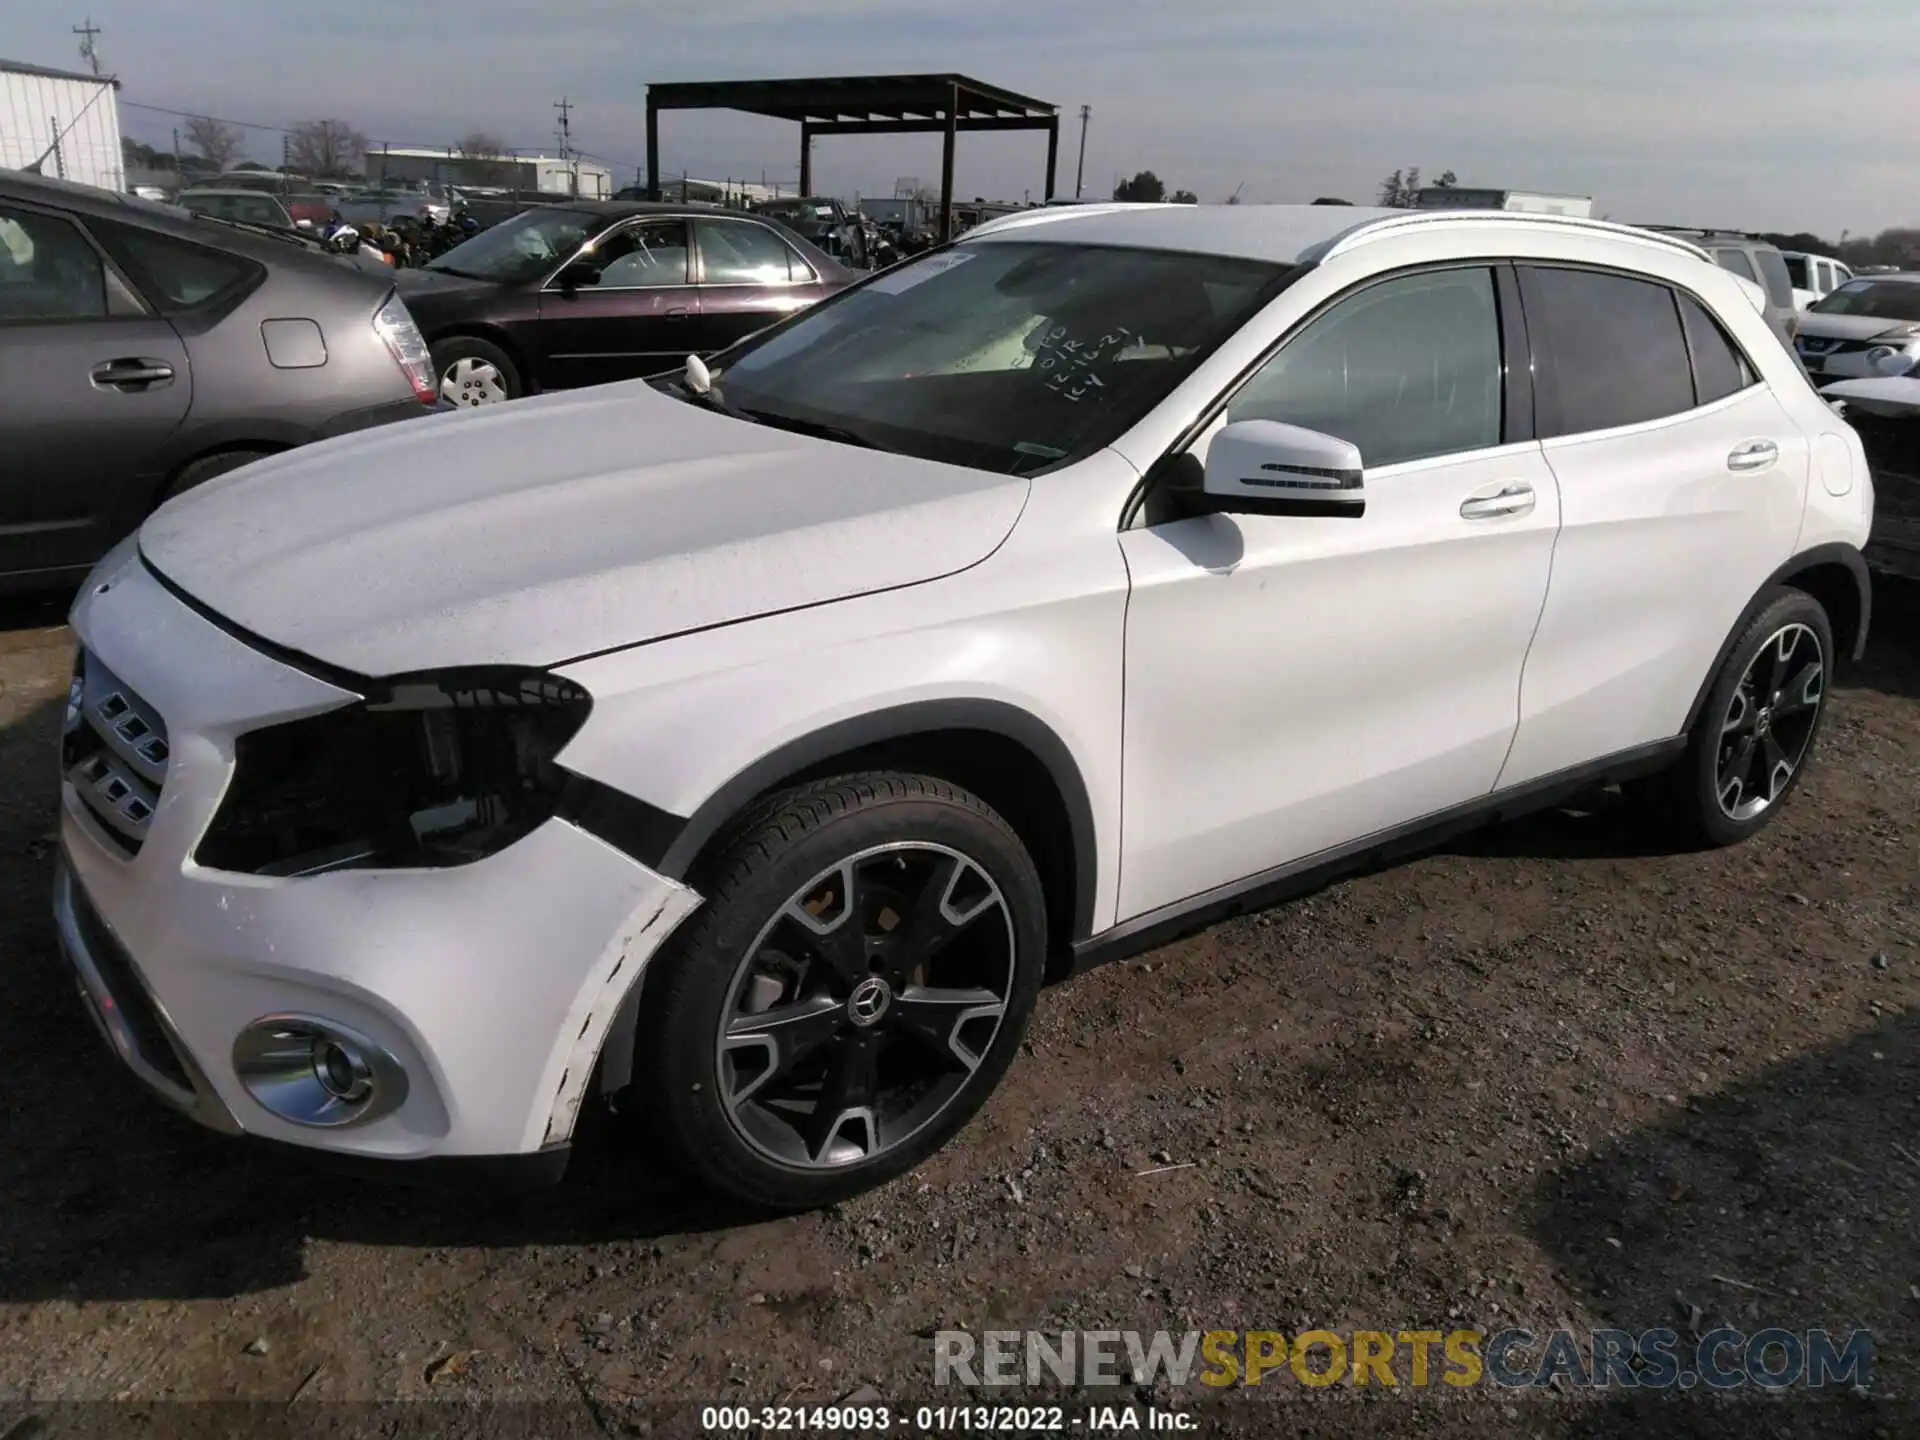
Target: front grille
{"x": 1823, "y": 345}
{"x": 114, "y": 751}
{"x": 125, "y": 994}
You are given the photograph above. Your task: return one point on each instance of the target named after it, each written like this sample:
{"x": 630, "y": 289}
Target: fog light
{"x": 314, "y": 1072}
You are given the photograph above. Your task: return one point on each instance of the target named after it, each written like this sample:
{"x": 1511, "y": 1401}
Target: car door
{"x": 1682, "y": 481}
{"x": 94, "y": 384}
{"x": 749, "y": 278}
{"x": 1296, "y": 683}
{"x": 626, "y": 306}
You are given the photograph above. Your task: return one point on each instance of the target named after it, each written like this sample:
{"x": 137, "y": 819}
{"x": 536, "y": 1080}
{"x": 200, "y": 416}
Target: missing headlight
{"x": 433, "y": 771}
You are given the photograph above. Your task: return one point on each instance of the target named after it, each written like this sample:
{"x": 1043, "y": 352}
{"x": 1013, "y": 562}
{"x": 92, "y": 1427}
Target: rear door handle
{"x": 1516, "y": 497}
{"x": 131, "y": 376}
{"x": 1754, "y": 455}
{"x": 678, "y": 312}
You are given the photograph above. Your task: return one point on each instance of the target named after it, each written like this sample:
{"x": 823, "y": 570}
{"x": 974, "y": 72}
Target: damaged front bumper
{"x": 480, "y": 995}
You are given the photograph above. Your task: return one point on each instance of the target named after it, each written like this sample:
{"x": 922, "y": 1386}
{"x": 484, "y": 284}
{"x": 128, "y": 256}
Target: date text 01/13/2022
{"x": 943, "y": 1419}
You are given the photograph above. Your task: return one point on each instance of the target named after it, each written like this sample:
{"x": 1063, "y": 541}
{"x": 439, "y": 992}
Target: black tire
{"x": 1772, "y": 710}
{"x": 696, "y": 1084}
{"x": 455, "y": 348}
{"x": 200, "y": 471}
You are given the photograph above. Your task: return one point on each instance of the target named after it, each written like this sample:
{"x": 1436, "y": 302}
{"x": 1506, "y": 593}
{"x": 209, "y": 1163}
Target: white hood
{"x": 1892, "y": 398}
{"x": 1847, "y": 327}
{"x": 559, "y": 526}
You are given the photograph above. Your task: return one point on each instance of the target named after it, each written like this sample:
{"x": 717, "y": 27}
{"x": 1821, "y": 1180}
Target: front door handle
{"x": 1516, "y": 497}
{"x": 130, "y": 377}
{"x": 1754, "y": 455}
{"x": 678, "y": 312}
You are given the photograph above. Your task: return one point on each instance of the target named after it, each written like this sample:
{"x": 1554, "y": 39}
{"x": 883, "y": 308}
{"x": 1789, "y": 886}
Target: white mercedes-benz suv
{"x": 757, "y": 742}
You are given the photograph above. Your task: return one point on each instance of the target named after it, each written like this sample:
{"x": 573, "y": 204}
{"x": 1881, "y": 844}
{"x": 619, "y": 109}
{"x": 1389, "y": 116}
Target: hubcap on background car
{"x": 865, "y": 1004}
{"x": 473, "y": 382}
{"x": 1769, "y": 722}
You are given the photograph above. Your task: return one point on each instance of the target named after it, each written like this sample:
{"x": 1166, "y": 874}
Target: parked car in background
{"x": 1755, "y": 259}
{"x": 579, "y": 294}
{"x": 253, "y": 207}
{"x": 295, "y": 192}
{"x": 145, "y": 350}
{"x": 1867, "y": 329}
{"x": 1814, "y": 276}
{"x": 826, "y": 223}
{"x": 756, "y": 743}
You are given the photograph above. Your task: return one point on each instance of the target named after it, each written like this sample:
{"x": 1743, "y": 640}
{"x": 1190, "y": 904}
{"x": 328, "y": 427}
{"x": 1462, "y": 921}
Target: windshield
{"x": 1002, "y": 356}
{"x": 522, "y": 248}
{"x": 1879, "y": 299}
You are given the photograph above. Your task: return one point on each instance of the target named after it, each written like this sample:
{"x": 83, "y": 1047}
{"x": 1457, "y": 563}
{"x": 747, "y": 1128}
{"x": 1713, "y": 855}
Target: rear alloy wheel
{"x": 473, "y": 373}
{"x": 1756, "y": 732}
{"x": 852, "y": 992}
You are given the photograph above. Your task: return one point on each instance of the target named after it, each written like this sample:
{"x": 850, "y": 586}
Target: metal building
{"x": 63, "y": 124}
{"x": 550, "y": 174}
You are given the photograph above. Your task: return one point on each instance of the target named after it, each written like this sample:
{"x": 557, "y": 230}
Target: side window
{"x": 1737, "y": 262}
{"x": 654, "y": 253}
{"x": 175, "y": 274}
{"x": 734, "y": 253}
{"x": 1405, "y": 369}
{"x": 1719, "y": 368}
{"x": 1616, "y": 348}
{"x": 47, "y": 270}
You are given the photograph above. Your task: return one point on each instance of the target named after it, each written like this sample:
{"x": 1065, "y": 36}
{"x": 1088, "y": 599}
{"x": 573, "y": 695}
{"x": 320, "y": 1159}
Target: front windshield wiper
{"x": 440, "y": 269}
{"x": 814, "y": 428}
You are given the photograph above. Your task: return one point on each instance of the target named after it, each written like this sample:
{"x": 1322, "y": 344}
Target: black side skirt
{"x": 1285, "y": 882}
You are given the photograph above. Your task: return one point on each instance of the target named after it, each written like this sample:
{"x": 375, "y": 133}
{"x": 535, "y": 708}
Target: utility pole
{"x": 565, "y": 107}
{"x": 178, "y": 183}
{"x": 89, "y": 52}
{"x": 1080, "y": 174}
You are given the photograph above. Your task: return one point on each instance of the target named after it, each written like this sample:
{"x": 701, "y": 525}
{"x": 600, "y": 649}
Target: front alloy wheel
{"x": 851, "y": 992}
{"x": 470, "y": 382}
{"x": 865, "y": 1004}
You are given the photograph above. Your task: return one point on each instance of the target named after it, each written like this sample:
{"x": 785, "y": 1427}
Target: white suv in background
{"x": 1814, "y": 276}
{"x": 758, "y": 743}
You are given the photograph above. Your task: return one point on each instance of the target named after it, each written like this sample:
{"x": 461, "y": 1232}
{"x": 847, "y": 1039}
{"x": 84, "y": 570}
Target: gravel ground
{"x": 1553, "y": 1075}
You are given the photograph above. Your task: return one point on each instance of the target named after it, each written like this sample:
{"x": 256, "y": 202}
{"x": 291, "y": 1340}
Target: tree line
{"x": 328, "y": 149}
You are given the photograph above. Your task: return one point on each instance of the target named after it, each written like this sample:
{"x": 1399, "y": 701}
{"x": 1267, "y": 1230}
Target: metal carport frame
{"x": 863, "y": 105}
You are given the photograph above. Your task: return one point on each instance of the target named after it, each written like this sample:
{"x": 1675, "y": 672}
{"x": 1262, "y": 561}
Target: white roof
{"x": 1290, "y": 234}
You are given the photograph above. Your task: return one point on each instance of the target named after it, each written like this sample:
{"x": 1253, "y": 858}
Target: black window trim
{"x": 700, "y": 224}
{"x": 124, "y": 299}
{"x": 1546, "y": 383}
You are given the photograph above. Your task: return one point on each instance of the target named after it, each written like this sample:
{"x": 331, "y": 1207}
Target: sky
{"x": 1757, "y": 114}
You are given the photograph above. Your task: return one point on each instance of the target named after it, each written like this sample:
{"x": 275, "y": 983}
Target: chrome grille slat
{"x": 115, "y": 751}
{"x": 132, "y": 729}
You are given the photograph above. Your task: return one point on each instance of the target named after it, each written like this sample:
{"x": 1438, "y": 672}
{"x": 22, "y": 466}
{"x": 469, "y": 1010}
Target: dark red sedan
{"x": 592, "y": 291}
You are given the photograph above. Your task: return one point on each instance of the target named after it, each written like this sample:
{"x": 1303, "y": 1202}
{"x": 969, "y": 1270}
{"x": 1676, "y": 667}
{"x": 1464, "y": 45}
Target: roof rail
{"x": 1421, "y": 219}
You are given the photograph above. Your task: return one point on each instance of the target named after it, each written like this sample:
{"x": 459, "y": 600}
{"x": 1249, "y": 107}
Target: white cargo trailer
{"x": 65, "y": 124}
{"x": 1460, "y": 197}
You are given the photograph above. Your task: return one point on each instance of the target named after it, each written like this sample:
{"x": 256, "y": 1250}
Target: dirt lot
{"x": 1553, "y": 1076}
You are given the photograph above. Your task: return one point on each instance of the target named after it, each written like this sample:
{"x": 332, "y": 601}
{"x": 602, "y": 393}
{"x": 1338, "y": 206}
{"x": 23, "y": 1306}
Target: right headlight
{"x": 435, "y": 770}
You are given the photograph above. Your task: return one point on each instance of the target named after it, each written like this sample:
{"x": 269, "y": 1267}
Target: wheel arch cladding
{"x": 1012, "y": 760}
{"x": 1837, "y": 577}
{"x": 1009, "y": 758}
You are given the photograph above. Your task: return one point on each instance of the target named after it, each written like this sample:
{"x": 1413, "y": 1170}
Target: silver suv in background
{"x": 144, "y": 350}
{"x": 1751, "y": 258}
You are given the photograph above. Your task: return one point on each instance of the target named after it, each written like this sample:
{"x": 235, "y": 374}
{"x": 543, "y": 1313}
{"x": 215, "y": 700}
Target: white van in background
{"x": 1814, "y": 276}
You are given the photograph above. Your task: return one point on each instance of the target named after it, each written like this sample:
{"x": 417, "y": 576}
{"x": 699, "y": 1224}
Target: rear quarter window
{"x": 177, "y": 275}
